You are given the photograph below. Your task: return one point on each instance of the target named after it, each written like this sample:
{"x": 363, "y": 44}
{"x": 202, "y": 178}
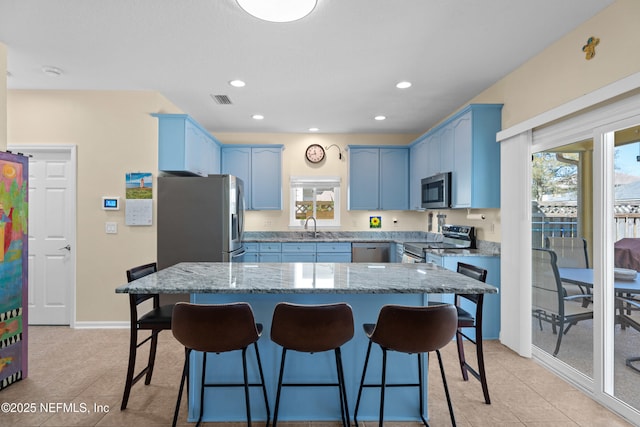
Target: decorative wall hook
{"x": 339, "y": 150}
{"x": 590, "y": 48}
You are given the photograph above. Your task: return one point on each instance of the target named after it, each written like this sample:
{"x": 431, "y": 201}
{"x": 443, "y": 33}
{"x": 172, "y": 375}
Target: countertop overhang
{"x": 305, "y": 278}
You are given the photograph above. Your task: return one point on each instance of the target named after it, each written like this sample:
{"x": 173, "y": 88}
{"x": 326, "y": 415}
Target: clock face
{"x": 315, "y": 153}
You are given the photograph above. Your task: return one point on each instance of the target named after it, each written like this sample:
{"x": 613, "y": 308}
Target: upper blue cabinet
{"x": 378, "y": 178}
{"x": 465, "y": 145}
{"x": 260, "y": 167}
{"x": 184, "y": 147}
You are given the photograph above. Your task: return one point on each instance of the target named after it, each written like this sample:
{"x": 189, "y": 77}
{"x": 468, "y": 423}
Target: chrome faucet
{"x": 315, "y": 232}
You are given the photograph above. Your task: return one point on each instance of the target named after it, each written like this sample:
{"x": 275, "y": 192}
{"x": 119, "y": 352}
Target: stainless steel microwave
{"x": 436, "y": 191}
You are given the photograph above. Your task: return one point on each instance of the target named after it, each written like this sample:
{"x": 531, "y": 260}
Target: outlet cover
{"x": 111, "y": 227}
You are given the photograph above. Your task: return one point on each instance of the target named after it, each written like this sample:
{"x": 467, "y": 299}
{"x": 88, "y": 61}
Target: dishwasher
{"x": 370, "y": 252}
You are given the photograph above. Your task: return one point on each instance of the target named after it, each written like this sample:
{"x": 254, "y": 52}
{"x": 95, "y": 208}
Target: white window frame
{"x": 313, "y": 182}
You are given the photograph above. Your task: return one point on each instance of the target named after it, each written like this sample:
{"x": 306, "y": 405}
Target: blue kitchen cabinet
{"x": 333, "y": 252}
{"x": 364, "y": 178}
{"x": 298, "y": 252}
{"x": 466, "y": 146}
{"x": 260, "y": 168}
{"x": 266, "y": 178}
{"x": 418, "y": 159}
{"x": 270, "y": 252}
{"x": 378, "y": 178}
{"x": 476, "y": 171}
{"x": 447, "y": 150}
{"x": 251, "y": 252}
{"x": 185, "y": 147}
{"x": 394, "y": 178}
{"x": 491, "y": 308}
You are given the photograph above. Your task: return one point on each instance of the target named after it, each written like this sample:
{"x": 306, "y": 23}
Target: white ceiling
{"x": 335, "y": 69}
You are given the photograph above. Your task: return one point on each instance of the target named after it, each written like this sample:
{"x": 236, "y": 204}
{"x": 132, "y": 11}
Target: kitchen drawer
{"x": 270, "y": 247}
{"x": 334, "y": 247}
{"x": 299, "y": 257}
{"x": 270, "y": 257}
{"x": 299, "y": 247}
{"x": 251, "y": 247}
{"x": 334, "y": 257}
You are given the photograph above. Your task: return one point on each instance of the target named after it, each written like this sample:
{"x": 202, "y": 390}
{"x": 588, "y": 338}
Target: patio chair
{"x": 549, "y": 303}
{"x": 630, "y": 318}
{"x": 571, "y": 253}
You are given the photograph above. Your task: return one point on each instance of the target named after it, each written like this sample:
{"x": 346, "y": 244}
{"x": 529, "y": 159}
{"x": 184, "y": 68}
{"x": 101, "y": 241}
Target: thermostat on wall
{"x": 111, "y": 203}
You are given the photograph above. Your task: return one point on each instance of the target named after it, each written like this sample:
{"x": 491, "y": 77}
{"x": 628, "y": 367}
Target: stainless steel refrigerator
{"x": 200, "y": 219}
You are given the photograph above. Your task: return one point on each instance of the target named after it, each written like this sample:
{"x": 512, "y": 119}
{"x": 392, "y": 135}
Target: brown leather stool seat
{"x": 412, "y": 330}
{"x": 313, "y": 329}
{"x": 156, "y": 320}
{"x": 217, "y": 328}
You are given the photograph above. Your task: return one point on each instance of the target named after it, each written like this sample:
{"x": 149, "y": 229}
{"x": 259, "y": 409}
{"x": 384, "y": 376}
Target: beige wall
{"x": 294, "y": 163}
{"x": 115, "y": 134}
{"x": 561, "y": 73}
{"x": 3, "y": 96}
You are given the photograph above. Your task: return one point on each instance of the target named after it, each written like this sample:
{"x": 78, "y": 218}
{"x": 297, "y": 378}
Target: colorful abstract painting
{"x": 14, "y": 215}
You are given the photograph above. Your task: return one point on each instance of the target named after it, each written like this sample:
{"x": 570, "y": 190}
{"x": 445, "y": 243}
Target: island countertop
{"x": 305, "y": 278}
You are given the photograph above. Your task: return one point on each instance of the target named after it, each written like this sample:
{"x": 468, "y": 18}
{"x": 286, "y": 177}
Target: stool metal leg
{"x": 382, "y": 386}
{"x": 364, "y": 372}
{"x": 420, "y": 390}
{"x": 204, "y": 371}
{"x": 446, "y": 389}
{"x": 246, "y": 385}
{"x": 344, "y": 406}
{"x": 185, "y": 373}
{"x": 275, "y": 411}
{"x": 264, "y": 387}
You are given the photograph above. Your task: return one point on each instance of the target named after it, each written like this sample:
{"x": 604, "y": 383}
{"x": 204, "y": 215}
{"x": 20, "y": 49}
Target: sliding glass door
{"x": 624, "y": 309}
{"x": 562, "y": 217}
{"x": 586, "y": 259}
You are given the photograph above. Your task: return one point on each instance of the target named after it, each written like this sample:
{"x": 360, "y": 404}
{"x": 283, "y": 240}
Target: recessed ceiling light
{"x": 52, "y": 71}
{"x": 380, "y": 118}
{"x": 313, "y": 129}
{"x": 237, "y": 83}
{"x": 403, "y": 85}
{"x": 257, "y": 117}
{"x": 278, "y": 10}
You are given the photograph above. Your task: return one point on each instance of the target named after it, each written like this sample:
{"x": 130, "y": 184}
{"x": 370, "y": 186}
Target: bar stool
{"x": 217, "y": 328}
{"x": 313, "y": 329}
{"x": 156, "y": 320}
{"x": 412, "y": 330}
{"x": 467, "y": 320}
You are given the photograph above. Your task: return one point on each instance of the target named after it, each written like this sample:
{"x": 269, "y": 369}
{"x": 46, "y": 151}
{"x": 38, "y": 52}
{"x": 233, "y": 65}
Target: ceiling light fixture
{"x": 237, "y": 83}
{"x": 379, "y": 118}
{"x": 313, "y": 129}
{"x": 257, "y": 117}
{"x": 403, "y": 85}
{"x": 278, "y": 10}
{"x": 52, "y": 71}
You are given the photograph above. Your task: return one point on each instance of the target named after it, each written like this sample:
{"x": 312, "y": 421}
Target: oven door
{"x": 408, "y": 258}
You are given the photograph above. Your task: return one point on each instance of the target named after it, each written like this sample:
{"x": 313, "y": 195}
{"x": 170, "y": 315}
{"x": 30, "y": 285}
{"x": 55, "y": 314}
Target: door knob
{"x": 68, "y": 247}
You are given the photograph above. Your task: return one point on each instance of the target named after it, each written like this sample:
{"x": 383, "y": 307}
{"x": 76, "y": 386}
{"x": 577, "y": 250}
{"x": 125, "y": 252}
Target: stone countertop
{"x": 485, "y": 248}
{"x": 305, "y": 278}
{"x": 463, "y": 252}
{"x": 340, "y": 236}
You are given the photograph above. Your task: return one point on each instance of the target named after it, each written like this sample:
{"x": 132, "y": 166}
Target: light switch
{"x": 111, "y": 227}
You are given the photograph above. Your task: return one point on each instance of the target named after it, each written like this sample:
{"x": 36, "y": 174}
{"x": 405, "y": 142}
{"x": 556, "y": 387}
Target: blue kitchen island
{"x": 366, "y": 287}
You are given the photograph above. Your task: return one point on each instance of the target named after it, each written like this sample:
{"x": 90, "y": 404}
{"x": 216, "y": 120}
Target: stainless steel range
{"x": 454, "y": 237}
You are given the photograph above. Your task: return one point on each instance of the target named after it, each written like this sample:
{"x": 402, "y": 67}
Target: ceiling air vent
{"x": 221, "y": 99}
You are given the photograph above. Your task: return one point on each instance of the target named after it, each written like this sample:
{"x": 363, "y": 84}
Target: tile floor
{"x": 87, "y": 367}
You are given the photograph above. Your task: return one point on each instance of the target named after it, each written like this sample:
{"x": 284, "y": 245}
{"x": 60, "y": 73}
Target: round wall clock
{"x": 315, "y": 153}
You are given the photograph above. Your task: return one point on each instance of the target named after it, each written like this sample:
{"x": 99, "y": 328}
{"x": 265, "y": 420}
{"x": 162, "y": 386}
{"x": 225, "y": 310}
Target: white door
{"x": 51, "y": 233}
